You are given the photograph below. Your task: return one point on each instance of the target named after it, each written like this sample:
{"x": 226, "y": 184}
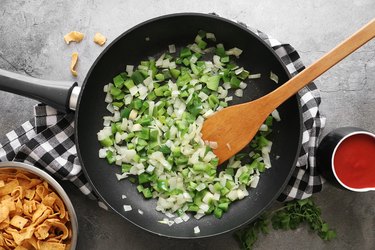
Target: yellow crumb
{"x": 74, "y": 63}
{"x": 99, "y": 39}
{"x": 73, "y": 36}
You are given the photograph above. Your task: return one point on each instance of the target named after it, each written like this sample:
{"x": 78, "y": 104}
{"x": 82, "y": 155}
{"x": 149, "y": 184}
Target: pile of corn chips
{"x": 32, "y": 215}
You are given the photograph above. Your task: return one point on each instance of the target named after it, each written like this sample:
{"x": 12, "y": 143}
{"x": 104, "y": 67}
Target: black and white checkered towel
{"x": 47, "y": 141}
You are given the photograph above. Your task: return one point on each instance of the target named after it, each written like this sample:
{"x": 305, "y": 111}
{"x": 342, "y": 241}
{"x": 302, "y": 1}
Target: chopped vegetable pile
{"x": 153, "y": 133}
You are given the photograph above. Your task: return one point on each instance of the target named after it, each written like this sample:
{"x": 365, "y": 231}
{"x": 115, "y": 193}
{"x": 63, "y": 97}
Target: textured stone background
{"x": 31, "y": 42}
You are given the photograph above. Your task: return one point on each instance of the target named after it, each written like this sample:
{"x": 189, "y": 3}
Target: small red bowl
{"x": 346, "y": 158}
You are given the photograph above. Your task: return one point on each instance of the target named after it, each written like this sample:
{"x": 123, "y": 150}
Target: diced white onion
{"x": 122, "y": 176}
{"x": 164, "y": 221}
{"x": 150, "y": 169}
{"x": 127, "y": 208}
{"x": 234, "y": 51}
{"x": 104, "y": 133}
{"x": 165, "y": 63}
{"x": 133, "y": 90}
{"x": 172, "y": 65}
{"x": 118, "y": 138}
{"x": 240, "y": 194}
{"x": 198, "y": 87}
{"x": 226, "y": 85}
{"x": 243, "y": 85}
{"x": 192, "y": 82}
{"x": 206, "y": 199}
{"x": 151, "y": 105}
{"x": 116, "y": 116}
{"x": 102, "y": 205}
{"x": 143, "y": 91}
{"x": 193, "y": 59}
{"x": 148, "y": 81}
{"x": 275, "y": 114}
{"x": 211, "y": 36}
{"x": 266, "y": 156}
{"x": 222, "y": 92}
{"x": 159, "y": 62}
{"x": 128, "y": 155}
{"x": 213, "y": 145}
{"x": 108, "y": 98}
{"x": 233, "y": 195}
{"x": 178, "y": 220}
{"x": 197, "y": 230}
{"x": 208, "y": 113}
{"x": 199, "y": 215}
{"x": 129, "y": 69}
{"x": 172, "y": 48}
{"x": 102, "y": 153}
{"x": 254, "y": 76}
{"x": 216, "y": 196}
{"x": 217, "y": 62}
{"x": 170, "y": 222}
{"x": 228, "y": 99}
{"x": 239, "y": 71}
{"x": 175, "y": 93}
{"x": 203, "y": 96}
{"x": 133, "y": 114}
{"x": 185, "y": 217}
{"x": 194, "y": 47}
{"x": 263, "y": 127}
{"x": 200, "y": 187}
{"x": 274, "y": 77}
{"x": 239, "y": 92}
{"x": 128, "y": 99}
{"x": 136, "y": 127}
{"x": 254, "y": 182}
{"x": 142, "y": 67}
{"x": 169, "y": 215}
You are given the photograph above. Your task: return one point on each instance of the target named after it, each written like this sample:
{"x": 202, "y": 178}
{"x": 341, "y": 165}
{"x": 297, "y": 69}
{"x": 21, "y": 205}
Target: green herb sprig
{"x": 289, "y": 216}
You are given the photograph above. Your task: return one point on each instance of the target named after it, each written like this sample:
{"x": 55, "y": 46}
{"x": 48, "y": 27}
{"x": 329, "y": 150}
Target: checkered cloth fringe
{"x": 47, "y": 140}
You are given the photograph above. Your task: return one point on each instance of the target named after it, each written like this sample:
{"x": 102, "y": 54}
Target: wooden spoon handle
{"x": 278, "y": 96}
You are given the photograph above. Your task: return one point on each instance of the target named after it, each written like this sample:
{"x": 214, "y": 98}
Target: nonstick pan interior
{"x": 151, "y": 39}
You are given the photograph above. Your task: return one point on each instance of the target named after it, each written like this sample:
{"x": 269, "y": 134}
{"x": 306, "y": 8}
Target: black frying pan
{"x": 132, "y": 47}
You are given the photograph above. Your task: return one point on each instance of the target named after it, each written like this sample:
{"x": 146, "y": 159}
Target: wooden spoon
{"x": 234, "y": 127}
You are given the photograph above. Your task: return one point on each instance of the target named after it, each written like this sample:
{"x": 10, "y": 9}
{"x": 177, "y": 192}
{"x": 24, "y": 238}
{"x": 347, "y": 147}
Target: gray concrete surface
{"x": 31, "y": 43}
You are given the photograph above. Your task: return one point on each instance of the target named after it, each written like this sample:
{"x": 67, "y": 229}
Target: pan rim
{"x": 214, "y": 16}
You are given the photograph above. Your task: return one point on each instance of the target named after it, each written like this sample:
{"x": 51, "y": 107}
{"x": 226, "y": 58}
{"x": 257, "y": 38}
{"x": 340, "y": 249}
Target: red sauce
{"x": 354, "y": 161}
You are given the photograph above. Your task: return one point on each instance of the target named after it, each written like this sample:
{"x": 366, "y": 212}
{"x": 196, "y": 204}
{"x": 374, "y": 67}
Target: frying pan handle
{"x": 54, "y": 93}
